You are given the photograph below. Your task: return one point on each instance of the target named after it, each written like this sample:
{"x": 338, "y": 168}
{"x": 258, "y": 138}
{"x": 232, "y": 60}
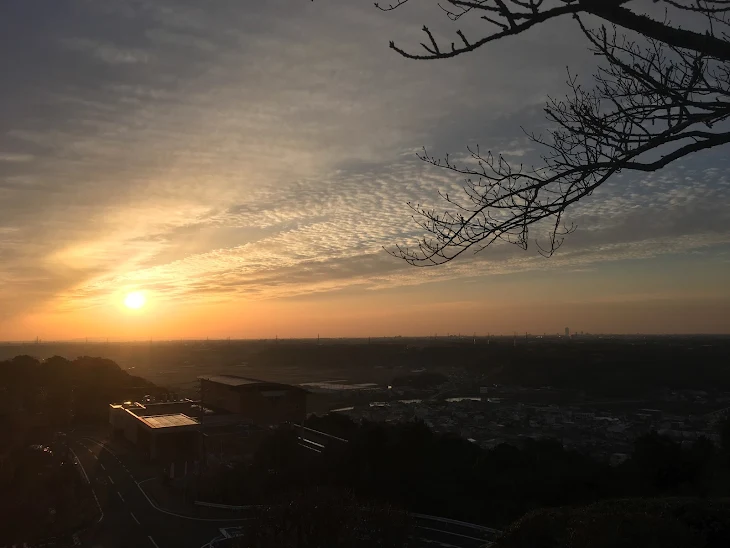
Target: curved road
{"x": 129, "y": 518}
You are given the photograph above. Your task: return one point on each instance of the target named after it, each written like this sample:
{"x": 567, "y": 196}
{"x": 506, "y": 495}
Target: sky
{"x": 243, "y": 165}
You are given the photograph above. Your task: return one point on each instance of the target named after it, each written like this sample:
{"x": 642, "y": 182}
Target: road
{"x": 434, "y": 535}
{"x": 128, "y": 517}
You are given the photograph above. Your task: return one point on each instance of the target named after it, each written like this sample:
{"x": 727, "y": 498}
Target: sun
{"x": 135, "y": 299}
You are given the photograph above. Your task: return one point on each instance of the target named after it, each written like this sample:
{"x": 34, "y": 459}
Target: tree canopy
{"x": 661, "y": 92}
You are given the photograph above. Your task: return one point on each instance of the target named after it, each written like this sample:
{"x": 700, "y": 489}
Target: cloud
{"x": 107, "y": 53}
{"x": 268, "y": 152}
{"x": 11, "y": 157}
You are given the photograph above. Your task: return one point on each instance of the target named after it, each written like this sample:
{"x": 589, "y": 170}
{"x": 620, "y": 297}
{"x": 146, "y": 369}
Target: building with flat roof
{"x": 261, "y": 402}
{"x": 161, "y": 431}
{"x": 230, "y": 414}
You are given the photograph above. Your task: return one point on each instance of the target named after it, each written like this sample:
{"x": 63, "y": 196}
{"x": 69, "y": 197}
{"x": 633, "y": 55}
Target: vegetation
{"x": 420, "y": 380}
{"x": 411, "y": 467}
{"x": 621, "y": 366}
{"x": 326, "y": 517}
{"x": 58, "y": 392}
{"x": 43, "y": 493}
{"x": 625, "y": 523}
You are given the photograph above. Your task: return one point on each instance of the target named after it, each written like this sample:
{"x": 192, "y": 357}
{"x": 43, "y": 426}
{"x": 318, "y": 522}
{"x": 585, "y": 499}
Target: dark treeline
{"x": 59, "y": 392}
{"x": 37, "y": 397}
{"x": 43, "y": 493}
{"x": 620, "y": 366}
{"x": 410, "y": 466}
{"x": 419, "y": 380}
{"x": 623, "y": 367}
{"x": 611, "y": 367}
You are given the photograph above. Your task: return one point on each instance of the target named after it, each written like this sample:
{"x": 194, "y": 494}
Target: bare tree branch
{"x": 661, "y": 93}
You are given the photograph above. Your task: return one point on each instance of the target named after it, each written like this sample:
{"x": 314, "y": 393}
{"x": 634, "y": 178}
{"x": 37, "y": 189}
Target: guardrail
{"x": 457, "y": 522}
{"x": 453, "y": 527}
{"x": 463, "y": 531}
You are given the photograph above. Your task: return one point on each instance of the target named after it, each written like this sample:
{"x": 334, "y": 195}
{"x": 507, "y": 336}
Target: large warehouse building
{"x": 261, "y": 402}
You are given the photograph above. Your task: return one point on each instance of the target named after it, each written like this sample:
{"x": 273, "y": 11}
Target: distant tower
{"x": 567, "y": 332}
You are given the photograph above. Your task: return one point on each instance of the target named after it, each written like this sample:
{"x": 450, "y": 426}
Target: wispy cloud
{"x": 12, "y": 157}
{"x": 268, "y": 152}
{"x": 107, "y": 53}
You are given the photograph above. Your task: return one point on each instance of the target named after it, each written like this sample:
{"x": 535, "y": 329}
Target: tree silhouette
{"x": 662, "y": 92}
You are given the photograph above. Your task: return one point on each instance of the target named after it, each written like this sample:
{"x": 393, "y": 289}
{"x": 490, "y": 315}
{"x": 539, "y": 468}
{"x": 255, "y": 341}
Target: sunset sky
{"x": 242, "y": 164}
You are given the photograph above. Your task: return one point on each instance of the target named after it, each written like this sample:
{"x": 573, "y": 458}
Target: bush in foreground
{"x": 625, "y": 523}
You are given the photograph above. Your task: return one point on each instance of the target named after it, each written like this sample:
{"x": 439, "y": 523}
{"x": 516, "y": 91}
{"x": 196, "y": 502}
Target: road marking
{"x": 162, "y": 510}
{"x": 102, "y": 466}
{"x": 153, "y": 541}
{"x": 134, "y": 518}
{"x": 101, "y": 512}
{"x": 83, "y": 470}
{"x": 120, "y": 496}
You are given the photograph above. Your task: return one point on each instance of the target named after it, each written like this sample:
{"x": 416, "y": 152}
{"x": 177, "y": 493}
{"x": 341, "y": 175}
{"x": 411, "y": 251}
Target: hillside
{"x": 58, "y": 392}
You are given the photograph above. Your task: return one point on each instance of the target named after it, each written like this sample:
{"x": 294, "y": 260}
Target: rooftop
{"x": 236, "y": 382}
{"x": 189, "y": 408}
{"x": 232, "y": 380}
{"x": 168, "y": 421}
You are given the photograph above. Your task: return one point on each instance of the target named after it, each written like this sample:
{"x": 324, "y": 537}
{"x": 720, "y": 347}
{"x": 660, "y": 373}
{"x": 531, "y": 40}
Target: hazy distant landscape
{"x": 608, "y": 367}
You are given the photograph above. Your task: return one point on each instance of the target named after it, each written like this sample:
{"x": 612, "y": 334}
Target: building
{"x": 260, "y": 402}
{"x": 567, "y": 332}
{"x": 164, "y": 432}
{"x": 227, "y": 423}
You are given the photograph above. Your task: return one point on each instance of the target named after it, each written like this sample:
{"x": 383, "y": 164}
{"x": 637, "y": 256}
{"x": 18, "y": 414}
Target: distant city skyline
{"x": 169, "y": 171}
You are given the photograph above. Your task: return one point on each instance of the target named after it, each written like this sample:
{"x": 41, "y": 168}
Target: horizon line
{"x": 109, "y": 340}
